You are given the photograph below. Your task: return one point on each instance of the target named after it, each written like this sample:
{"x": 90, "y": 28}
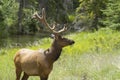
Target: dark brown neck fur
{"x": 54, "y": 52}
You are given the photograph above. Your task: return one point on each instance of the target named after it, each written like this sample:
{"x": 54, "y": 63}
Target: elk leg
{"x": 18, "y": 73}
{"x": 25, "y": 76}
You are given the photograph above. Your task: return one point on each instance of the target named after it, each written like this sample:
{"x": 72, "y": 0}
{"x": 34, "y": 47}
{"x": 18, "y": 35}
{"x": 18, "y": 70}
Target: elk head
{"x": 56, "y": 35}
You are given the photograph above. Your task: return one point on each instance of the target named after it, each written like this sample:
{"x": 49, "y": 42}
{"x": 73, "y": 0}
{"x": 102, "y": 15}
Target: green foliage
{"x": 112, "y": 16}
{"x": 89, "y": 12}
{"x": 9, "y": 11}
{"x": 8, "y": 16}
{"x": 75, "y": 4}
{"x": 56, "y": 11}
{"x": 27, "y": 22}
{"x": 71, "y": 18}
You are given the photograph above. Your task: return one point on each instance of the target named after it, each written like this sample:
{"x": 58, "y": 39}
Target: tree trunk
{"x": 95, "y": 23}
{"x": 20, "y": 13}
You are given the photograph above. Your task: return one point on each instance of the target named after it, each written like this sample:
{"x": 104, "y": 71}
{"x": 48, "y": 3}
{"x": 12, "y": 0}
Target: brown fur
{"x": 39, "y": 62}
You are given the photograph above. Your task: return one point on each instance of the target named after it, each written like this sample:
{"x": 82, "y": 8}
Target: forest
{"x": 15, "y": 15}
{"x": 94, "y": 25}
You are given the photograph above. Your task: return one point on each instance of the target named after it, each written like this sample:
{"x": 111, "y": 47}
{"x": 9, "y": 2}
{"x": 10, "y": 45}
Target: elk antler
{"x": 42, "y": 19}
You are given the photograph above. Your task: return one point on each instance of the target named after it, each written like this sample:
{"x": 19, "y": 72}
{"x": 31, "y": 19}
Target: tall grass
{"x": 94, "y": 56}
{"x": 102, "y": 41}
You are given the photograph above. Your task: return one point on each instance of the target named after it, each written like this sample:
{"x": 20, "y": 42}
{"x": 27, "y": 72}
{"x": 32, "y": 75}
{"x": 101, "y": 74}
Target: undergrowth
{"x": 102, "y": 41}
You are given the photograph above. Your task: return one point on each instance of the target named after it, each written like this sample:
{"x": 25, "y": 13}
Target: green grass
{"x": 94, "y": 56}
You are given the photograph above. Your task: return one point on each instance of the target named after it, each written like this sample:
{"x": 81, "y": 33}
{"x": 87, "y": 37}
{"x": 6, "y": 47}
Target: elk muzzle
{"x": 72, "y": 42}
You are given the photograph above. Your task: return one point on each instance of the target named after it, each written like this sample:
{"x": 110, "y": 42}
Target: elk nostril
{"x": 72, "y": 42}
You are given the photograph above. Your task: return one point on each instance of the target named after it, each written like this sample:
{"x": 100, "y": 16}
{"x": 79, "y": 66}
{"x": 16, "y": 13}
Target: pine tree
{"x": 112, "y": 15}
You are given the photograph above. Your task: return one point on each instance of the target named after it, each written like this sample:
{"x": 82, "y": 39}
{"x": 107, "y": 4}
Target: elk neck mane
{"x": 54, "y": 52}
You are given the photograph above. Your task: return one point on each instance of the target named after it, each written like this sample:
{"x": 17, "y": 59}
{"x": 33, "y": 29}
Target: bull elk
{"x": 40, "y": 62}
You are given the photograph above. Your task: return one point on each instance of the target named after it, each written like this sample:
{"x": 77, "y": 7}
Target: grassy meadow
{"x": 94, "y": 56}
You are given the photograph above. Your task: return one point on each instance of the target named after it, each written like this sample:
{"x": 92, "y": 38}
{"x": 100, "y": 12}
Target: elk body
{"x": 40, "y": 62}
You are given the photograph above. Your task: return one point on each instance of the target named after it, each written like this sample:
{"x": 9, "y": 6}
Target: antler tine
{"x": 63, "y": 29}
{"x": 60, "y": 31}
{"x": 43, "y": 14}
{"x": 54, "y": 25}
{"x": 34, "y": 15}
{"x": 45, "y": 21}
